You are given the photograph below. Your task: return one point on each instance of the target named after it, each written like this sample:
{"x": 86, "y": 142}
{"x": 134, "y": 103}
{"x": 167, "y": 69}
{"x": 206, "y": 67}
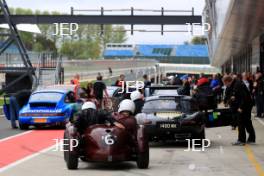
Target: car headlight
{"x": 170, "y": 115}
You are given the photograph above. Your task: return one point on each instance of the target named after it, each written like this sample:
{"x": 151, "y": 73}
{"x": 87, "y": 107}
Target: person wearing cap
{"x": 137, "y": 98}
{"x": 204, "y": 95}
{"x": 203, "y": 81}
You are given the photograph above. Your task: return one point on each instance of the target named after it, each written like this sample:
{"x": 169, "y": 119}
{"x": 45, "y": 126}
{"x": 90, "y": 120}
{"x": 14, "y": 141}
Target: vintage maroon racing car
{"x": 107, "y": 143}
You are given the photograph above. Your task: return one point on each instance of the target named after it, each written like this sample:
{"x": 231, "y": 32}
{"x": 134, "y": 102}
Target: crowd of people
{"x": 215, "y": 85}
{"x": 240, "y": 92}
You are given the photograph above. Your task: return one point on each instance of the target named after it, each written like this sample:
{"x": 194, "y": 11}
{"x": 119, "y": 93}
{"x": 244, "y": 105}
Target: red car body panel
{"x": 97, "y": 149}
{"x": 125, "y": 147}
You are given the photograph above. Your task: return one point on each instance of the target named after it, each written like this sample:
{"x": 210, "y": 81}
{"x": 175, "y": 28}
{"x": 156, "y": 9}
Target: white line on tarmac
{"x": 260, "y": 121}
{"x": 25, "y": 159}
{"x": 20, "y": 134}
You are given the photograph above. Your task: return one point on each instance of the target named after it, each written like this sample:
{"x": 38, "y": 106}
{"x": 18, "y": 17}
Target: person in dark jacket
{"x": 177, "y": 81}
{"x": 186, "y": 87}
{"x": 227, "y": 98}
{"x": 247, "y": 81}
{"x": 147, "y": 82}
{"x": 203, "y": 94}
{"x": 241, "y": 104}
{"x": 137, "y": 98}
{"x": 16, "y": 102}
{"x": 258, "y": 91}
{"x": 99, "y": 89}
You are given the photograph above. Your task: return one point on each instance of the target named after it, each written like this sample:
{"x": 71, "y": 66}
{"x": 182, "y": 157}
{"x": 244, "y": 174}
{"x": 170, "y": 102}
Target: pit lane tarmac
{"x": 221, "y": 159}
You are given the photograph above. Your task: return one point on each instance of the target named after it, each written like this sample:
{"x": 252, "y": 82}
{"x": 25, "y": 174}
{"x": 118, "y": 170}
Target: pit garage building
{"x": 236, "y": 39}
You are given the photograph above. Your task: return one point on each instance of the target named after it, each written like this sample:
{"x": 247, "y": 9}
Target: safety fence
{"x": 45, "y": 60}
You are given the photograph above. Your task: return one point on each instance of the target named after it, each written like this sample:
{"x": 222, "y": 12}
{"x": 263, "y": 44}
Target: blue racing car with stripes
{"x": 50, "y": 106}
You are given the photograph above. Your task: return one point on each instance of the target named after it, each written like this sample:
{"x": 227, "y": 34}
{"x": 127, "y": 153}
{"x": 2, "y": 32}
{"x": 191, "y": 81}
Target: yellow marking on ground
{"x": 253, "y": 160}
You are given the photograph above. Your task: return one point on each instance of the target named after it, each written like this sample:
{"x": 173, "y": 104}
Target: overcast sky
{"x": 138, "y": 38}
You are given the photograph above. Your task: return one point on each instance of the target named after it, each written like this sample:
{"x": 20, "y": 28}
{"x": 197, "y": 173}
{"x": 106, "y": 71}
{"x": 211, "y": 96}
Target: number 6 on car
{"x": 108, "y": 139}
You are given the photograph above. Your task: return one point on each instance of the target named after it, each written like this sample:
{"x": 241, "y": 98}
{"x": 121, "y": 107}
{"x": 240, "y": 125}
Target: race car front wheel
{"x": 143, "y": 160}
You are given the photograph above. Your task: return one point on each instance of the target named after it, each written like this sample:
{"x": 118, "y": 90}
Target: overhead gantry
{"x": 101, "y": 19}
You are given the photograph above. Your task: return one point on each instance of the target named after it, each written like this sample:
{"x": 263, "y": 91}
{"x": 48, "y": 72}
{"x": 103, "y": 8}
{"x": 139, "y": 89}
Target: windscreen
{"x": 165, "y": 104}
{"x": 165, "y": 92}
{"x": 187, "y": 105}
{"x": 183, "y": 105}
{"x": 46, "y": 97}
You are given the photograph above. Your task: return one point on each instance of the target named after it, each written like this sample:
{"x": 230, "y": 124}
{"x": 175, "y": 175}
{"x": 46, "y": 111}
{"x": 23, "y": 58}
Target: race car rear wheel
{"x": 23, "y": 126}
{"x": 143, "y": 160}
{"x": 72, "y": 160}
{"x": 70, "y": 157}
{"x": 64, "y": 148}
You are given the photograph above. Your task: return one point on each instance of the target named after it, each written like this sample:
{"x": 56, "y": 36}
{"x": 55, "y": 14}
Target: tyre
{"x": 143, "y": 160}
{"x": 23, "y": 126}
{"x": 72, "y": 161}
{"x": 64, "y": 148}
{"x": 70, "y": 157}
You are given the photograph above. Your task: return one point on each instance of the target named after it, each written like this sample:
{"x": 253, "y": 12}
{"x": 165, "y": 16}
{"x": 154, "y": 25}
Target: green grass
{"x": 108, "y": 82}
{"x": 1, "y": 102}
{"x": 84, "y": 83}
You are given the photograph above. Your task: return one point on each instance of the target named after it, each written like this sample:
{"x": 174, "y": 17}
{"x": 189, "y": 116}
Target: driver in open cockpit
{"x": 89, "y": 115}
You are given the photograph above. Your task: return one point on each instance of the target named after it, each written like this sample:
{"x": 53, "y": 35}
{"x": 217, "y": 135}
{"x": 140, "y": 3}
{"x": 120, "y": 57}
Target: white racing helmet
{"x": 127, "y": 105}
{"x": 88, "y": 105}
{"x": 135, "y": 95}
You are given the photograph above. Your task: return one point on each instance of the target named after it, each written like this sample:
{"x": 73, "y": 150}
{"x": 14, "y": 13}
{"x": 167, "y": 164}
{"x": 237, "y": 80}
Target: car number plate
{"x": 167, "y": 125}
{"x": 40, "y": 120}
